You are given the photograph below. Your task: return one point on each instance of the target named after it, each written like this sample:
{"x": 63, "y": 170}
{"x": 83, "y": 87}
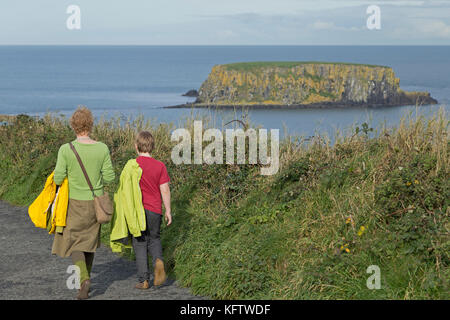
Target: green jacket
{"x": 129, "y": 214}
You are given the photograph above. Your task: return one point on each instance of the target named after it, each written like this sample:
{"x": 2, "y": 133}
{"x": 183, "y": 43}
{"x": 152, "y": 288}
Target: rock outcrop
{"x": 305, "y": 84}
{"x": 191, "y": 93}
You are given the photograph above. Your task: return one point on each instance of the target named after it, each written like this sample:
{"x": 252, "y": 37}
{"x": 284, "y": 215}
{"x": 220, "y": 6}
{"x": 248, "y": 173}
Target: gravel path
{"x": 29, "y": 271}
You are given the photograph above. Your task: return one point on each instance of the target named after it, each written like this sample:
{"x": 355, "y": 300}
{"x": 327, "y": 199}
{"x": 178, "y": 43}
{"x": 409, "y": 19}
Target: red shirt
{"x": 154, "y": 174}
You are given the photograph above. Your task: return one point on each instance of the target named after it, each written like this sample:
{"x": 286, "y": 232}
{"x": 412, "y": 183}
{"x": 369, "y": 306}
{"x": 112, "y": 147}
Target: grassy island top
{"x": 247, "y": 66}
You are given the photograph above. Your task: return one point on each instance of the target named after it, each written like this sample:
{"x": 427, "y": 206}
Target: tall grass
{"x": 308, "y": 232}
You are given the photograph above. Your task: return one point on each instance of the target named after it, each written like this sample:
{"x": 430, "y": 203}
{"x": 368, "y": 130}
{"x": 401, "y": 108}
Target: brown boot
{"x": 142, "y": 285}
{"x": 83, "y": 293}
{"x": 160, "y": 274}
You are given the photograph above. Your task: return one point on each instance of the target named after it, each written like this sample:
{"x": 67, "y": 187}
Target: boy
{"x": 154, "y": 185}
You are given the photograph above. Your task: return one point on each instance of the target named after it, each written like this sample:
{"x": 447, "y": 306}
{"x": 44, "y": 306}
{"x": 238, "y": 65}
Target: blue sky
{"x": 225, "y": 22}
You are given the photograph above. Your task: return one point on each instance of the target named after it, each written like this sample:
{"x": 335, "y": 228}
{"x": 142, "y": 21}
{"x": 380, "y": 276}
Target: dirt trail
{"x": 29, "y": 271}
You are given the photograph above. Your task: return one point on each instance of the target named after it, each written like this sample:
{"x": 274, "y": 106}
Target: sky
{"x": 224, "y": 22}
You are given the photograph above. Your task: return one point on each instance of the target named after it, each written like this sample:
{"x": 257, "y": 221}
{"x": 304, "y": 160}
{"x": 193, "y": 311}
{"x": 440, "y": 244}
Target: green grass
{"x": 248, "y": 66}
{"x": 239, "y": 235}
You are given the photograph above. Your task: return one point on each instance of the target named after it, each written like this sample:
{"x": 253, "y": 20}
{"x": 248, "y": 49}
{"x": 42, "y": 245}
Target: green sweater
{"x": 96, "y": 160}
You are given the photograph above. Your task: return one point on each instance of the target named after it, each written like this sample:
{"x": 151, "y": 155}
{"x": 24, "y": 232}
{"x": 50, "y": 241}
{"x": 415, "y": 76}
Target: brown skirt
{"x": 82, "y": 231}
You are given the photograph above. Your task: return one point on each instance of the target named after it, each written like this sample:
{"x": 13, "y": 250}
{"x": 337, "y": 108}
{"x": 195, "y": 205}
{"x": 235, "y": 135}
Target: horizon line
{"x": 224, "y": 45}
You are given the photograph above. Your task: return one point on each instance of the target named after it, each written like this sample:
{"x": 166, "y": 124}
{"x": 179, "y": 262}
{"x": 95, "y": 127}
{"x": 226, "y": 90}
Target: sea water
{"x": 140, "y": 80}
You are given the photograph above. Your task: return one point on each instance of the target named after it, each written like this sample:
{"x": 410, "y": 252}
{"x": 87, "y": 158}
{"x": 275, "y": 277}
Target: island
{"x": 303, "y": 84}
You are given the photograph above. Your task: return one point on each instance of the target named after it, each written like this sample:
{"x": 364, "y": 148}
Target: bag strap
{"x": 82, "y": 168}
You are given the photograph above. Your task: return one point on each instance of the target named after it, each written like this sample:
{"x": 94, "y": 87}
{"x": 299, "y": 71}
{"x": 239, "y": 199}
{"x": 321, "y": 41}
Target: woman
{"x": 81, "y": 236}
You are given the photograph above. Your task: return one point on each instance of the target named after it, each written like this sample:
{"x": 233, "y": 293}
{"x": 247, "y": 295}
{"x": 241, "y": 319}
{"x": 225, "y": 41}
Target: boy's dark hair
{"x": 145, "y": 142}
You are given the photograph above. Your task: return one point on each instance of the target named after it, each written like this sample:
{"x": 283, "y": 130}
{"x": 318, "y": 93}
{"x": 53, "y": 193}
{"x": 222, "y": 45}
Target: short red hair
{"x": 82, "y": 120}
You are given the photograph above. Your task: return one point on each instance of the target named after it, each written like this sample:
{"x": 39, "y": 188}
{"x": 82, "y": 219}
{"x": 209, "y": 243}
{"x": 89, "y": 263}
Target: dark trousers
{"x": 149, "y": 243}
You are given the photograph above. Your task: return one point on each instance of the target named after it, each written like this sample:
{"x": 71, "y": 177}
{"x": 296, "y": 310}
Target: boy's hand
{"x": 165, "y": 193}
{"x": 168, "y": 218}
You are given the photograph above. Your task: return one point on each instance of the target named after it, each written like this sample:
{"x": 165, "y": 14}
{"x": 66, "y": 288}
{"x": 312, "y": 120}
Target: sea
{"x": 132, "y": 81}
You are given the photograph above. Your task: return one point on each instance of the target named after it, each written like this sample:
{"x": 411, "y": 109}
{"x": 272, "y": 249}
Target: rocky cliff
{"x": 305, "y": 83}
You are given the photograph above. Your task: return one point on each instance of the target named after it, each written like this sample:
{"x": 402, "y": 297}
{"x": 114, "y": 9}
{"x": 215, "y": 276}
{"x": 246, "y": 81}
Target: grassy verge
{"x": 308, "y": 232}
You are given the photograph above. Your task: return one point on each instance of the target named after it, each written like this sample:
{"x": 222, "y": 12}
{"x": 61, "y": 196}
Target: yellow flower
{"x": 348, "y": 220}
{"x": 416, "y": 181}
{"x": 347, "y": 250}
{"x": 408, "y": 183}
{"x": 344, "y": 247}
{"x": 361, "y": 230}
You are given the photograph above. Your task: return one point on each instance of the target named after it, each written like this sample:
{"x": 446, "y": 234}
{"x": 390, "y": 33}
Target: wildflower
{"x": 361, "y": 230}
{"x": 400, "y": 168}
{"x": 349, "y": 219}
{"x": 345, "y": 248}
{"x": 408, "y": 183}
{"x": 416, "y": 181}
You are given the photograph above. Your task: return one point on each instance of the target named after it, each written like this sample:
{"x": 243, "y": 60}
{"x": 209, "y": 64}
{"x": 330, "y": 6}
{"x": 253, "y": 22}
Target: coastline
{"x": 289, "y": 107}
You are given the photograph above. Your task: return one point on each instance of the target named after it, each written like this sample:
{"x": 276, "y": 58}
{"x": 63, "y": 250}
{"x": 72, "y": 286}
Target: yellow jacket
{"x": 50, "y": 204}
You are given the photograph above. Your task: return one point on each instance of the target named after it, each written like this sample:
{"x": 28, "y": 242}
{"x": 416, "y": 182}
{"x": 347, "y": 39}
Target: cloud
{"x": 329, "y": 25}
{"x": 435, "y": 28}
{"x": 227, "y": 34}
{"x": 323, "y": 25}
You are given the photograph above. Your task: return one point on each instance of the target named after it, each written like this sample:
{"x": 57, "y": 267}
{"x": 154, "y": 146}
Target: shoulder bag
{"x": 103, "y": 204}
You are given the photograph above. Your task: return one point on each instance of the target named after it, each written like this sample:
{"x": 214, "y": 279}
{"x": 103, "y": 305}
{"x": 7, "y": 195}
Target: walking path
{"x": 29, "y": 271}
